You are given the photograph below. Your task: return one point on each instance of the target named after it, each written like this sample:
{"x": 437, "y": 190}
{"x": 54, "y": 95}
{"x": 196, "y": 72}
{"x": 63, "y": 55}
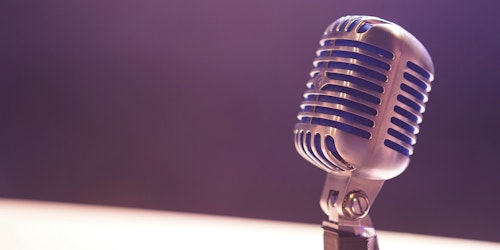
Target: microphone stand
{"x": 336, "y": 240}
{"x": 346, "y": 199}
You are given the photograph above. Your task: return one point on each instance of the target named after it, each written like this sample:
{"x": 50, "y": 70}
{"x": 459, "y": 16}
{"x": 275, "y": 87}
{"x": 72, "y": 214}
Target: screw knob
{"x": 356, "y": 205}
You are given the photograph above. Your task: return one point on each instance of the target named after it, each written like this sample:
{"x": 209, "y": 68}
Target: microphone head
{"x": 365, "y": 99}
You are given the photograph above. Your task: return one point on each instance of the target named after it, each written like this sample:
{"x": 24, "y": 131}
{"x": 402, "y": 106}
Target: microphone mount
{"x": 346, "y": 199}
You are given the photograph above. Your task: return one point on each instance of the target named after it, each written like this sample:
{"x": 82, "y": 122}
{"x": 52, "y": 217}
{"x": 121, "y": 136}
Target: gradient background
{"x": 190, "y": 106}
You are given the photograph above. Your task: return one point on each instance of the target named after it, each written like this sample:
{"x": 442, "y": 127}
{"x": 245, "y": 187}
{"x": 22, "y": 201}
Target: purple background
{"x": 190, "y": 106}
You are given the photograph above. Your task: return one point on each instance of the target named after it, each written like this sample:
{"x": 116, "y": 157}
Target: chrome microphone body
{"x": 360, "y": 117}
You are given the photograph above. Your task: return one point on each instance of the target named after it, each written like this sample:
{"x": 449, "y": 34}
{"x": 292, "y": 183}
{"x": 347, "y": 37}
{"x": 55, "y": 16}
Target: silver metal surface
{"x": 360, "y": 116}
{"x": 355, "y": 205}
{"x": 337, "y": 240}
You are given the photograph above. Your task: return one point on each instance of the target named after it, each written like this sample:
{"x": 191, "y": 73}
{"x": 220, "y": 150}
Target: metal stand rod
{"x": 334, "y": 240}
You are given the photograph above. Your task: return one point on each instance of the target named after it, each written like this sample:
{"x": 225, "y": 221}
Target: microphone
{"x": 360, "y": 117}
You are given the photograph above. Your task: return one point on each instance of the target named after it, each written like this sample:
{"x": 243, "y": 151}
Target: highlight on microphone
{"x": 359, "y": 119}
{"x": 365, "y": 98}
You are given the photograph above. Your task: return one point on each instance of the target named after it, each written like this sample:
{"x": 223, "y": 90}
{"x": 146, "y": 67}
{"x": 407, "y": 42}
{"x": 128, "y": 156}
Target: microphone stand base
{"x": 334, "y": 240}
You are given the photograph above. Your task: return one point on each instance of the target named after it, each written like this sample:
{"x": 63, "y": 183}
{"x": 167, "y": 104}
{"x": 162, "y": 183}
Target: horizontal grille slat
{"x": 413, "y": 92}
{"x": 361, "y": 57}
{"x": 345, "y": 102}
{"x": 416, "y": 81}
{"x": 419, "y": 70}
{"x": 361, "y": 45}
{"x": 347, "y": 115}
{"x": 356, "y": 80}
{"x": 400, "y": 136}
{"x": 342, "y": 126}
{"x": 353, "y": 92}
{"x": 349, "y": 66}
{"x": 397, "y": 147}
{"x": 415, "y": 106}
{"x": 403, "y": 125}
{"x": 406, "y": 114}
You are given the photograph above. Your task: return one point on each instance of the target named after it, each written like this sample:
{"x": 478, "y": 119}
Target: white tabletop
{"x": 46, "y": 225}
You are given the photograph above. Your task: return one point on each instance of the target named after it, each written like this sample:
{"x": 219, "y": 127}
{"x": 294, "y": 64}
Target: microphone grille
{"x": 363, "y": 86}
{"x": 410, "y": 105}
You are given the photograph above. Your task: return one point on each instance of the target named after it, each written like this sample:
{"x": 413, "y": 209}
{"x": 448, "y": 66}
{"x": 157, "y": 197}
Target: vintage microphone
{"x": 360, "y": 118}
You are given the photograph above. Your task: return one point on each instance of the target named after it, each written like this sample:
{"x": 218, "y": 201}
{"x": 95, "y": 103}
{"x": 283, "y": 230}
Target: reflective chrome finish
{"x": 361, "y": 114}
